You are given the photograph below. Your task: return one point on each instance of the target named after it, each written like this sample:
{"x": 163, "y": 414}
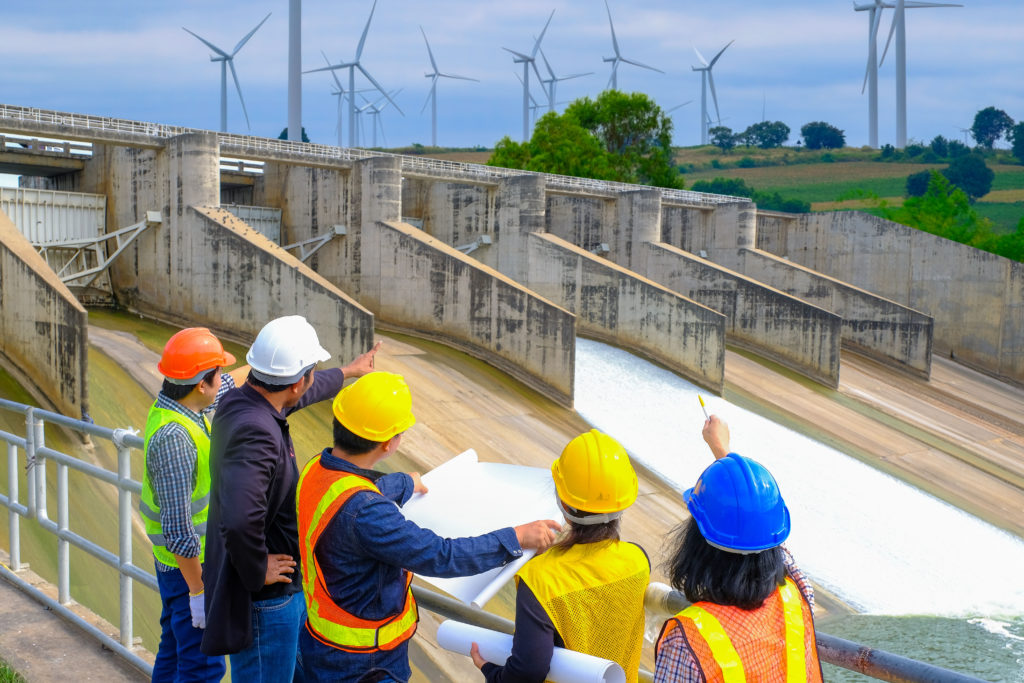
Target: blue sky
{"x": 797, "y": 60}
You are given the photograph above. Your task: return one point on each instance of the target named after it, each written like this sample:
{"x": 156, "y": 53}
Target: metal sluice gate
{"x": 31, "y": 454}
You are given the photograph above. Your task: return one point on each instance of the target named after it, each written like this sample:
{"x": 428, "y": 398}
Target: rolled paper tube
{"x": 567, "y": 666}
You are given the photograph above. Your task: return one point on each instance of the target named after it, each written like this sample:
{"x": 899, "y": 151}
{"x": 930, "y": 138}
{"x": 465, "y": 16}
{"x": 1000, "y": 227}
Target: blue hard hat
{"x": 738, "y": 507}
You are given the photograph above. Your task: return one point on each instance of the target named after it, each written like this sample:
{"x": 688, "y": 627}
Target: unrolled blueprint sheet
{"x": 468, "y": 498}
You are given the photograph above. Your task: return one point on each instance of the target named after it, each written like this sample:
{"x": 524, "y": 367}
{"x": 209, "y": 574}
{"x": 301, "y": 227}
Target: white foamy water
{"x": 880, "y": 544}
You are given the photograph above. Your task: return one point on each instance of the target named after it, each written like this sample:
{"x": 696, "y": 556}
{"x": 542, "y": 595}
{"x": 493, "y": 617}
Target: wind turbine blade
{"x": 536, "y": 46}
{"x": 547, "y": 65}
{"x": 896, "y": 18}
{"x": 630, "y": 61}
{"x": 248, "y": 35}
{"x": 615, "y": 42}
{"x": 377, "y": 86}
{"x": 521, "y": 56}
{"x": 615, "y": 68}
{"x": 334, "y": 73}
{"x": 714, "y": 97}
{"x": 362, "y": 40}
{"x": 876, "y": 19}
{"x": 331, "y": 67}
{"x": 238, "y": 87}
{"x": 566, "y": 78}
{"x": 433, "y": 85}
{"x": 914, "y": 5}
{"x": 429, "y": 52}
{"x": 208, "y": 44}
{"x": 720, "y": 53}
{"x": 700, "y": 57}
{"x": 461, "y": 78}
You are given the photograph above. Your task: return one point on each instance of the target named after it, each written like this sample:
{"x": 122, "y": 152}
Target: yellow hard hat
{"x": 376, "y": 407}
{"x": 593, "y": 474}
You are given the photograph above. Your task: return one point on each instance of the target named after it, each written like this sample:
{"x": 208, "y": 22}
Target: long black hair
{"x": 707, "y": 574}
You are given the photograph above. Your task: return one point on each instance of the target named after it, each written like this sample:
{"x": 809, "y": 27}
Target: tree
{"x": 990, "y": 124}
{"x": 735, "y": 187}
{"x": 944, "y": 210}
{"x": 940, "y": 146}
{"x": 917, "y": 183}
{"x": 634, "y": 131}
{"x": 970, "y": 174}
{"x": 722, "y": 137}
{"x": 615, "y": 137}
{"x": 820, "y": 135}
{"x": 284, "y": 134}
{"x": 766, "y": 134}
{"x": 1018, "y": 141}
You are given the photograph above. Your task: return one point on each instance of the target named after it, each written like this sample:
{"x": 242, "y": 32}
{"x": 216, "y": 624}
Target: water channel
{"x": 928, "y": 581}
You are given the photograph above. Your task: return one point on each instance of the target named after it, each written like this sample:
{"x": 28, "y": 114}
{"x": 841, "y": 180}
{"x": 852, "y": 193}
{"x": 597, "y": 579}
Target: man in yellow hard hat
{"x": 176, "y": 493}
{"x": 359, "y": 553}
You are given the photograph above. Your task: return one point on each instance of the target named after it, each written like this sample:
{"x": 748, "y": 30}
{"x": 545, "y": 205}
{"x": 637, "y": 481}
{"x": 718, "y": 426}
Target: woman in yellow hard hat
{"x": 587, "y": 592}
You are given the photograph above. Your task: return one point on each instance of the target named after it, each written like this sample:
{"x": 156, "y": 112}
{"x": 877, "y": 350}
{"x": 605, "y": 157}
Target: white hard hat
{"x": 284, "y": 350}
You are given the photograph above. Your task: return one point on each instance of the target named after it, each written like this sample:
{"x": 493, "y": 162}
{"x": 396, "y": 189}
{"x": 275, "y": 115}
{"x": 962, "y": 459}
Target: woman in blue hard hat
{"x": 751, "y": 617}
{"x": 587, "y": 592}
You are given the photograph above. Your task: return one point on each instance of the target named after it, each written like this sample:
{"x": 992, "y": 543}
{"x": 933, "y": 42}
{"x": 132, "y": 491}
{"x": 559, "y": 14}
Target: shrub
{"x": 913, "y": 150}
{"x": 820, "y": 135}
{"x": 746, "y": 162}
{"x": 917, "y": 183}
{"x": 970, "y": 174}
{"x": 940, "y": 146}
{"x": 827, "y": 158}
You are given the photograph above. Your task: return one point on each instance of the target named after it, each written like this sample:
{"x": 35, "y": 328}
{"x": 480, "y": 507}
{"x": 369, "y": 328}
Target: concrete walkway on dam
{"x": 906, "y": 426}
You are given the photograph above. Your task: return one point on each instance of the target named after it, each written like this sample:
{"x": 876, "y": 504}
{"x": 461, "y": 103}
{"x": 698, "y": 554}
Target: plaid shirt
{"x": 171, "y": 466}
{"x": 675, "y": 662}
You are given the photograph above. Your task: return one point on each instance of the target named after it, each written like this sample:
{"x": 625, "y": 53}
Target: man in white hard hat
{"x": 254, "y": 608}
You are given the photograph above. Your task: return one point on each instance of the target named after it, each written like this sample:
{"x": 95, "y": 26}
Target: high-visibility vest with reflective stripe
{"x": 594, "y": 595}
{"x": 774, "y": 642}
{"x": 200, "y": 506}
{"x": 320, "y": 496}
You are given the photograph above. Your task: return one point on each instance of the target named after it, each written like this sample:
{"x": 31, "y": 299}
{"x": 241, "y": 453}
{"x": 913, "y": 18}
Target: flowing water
{"x": 928, "y": 580}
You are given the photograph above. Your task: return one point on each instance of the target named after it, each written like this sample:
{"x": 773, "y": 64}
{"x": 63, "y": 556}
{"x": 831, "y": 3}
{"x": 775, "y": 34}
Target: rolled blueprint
{"x": 566, "y": 666}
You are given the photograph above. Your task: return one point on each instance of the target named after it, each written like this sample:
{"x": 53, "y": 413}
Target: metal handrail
{"x": 660, "y": 599}
{"x": 235, "y": 146}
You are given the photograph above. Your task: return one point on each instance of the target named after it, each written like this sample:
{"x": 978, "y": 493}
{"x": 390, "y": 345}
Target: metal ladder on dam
{"x": 29, "y": 453}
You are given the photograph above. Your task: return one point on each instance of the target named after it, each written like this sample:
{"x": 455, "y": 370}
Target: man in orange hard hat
{"x": 176, "y": 493}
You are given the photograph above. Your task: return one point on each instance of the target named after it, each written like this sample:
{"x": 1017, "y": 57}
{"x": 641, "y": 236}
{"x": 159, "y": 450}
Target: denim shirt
{"x": 369, "y": 545}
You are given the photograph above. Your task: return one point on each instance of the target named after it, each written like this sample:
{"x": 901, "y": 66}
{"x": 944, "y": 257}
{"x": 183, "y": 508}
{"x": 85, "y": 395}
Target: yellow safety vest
{"x": 320, "y": 495}
{"x": 774, "y": 642}
{"x": 594, "y": 595}
{"x": 200, "y": 507}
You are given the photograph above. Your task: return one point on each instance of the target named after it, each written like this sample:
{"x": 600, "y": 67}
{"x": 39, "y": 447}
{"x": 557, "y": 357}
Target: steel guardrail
{"x": 660, "y": 599}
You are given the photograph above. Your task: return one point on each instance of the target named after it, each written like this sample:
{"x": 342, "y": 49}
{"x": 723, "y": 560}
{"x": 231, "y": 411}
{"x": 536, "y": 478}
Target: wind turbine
{"x": 552, "y": 82}
{"x": 432, "y": 97}
{"x": 707, "y": 79}
{"x": 871, "y": 72}
{"x": 613, "y": 82}
{"x": 899, "y": 27}
{"x": 228, "y": 60}
{"x": 375, "y": 108}
{"x": 352, "y": 66}
{"x": 527, "y": 61}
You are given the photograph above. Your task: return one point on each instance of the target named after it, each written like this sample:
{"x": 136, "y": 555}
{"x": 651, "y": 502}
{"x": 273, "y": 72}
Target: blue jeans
{"x": 178, "y": 659}
{"x": 325, "y": 664}
{"x": 273, "y": 656}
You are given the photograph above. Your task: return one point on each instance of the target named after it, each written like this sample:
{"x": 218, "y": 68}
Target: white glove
{"x": 195, "y": 605}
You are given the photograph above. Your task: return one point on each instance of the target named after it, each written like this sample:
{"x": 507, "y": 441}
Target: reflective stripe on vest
{"x": 320, "y": 495}
{"x": 200, "y": 503}
{"x": 707, "y": 630}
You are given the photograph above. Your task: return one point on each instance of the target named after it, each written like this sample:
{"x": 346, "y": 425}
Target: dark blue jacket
{"x": 252, "y": 509}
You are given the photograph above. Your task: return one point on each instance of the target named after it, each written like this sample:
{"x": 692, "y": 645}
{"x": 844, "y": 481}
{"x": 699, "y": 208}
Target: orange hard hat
{"x": 190, "y": 354}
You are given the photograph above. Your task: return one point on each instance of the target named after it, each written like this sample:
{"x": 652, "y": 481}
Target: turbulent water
{"x": 931, "y": 581}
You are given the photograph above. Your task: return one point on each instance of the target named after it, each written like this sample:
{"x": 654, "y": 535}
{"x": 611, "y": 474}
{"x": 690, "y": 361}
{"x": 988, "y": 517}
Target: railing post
{"x": 30, "y": 463}
{"x": 13, "y": 523}
{"x": 124, "y": 531}
{"x": 63, "y": 546}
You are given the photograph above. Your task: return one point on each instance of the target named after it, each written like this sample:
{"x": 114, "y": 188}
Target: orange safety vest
{"x": 774, "y": 642}
{"x": 320, "y": 495}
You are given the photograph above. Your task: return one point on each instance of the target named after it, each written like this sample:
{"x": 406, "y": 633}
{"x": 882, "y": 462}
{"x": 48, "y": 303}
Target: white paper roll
{"x": 567, "y": 666}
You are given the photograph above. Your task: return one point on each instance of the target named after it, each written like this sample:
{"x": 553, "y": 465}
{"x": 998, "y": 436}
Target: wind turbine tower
{"x": 613, "y": 82}
{"x": 707, "y": 79}
{"x": 228, "y": 61}
{"x": 352, "y": 66}
{"x": 527, "y": 61}
{"x": 899, "y": 27}
{"x": 432, "y": 97}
